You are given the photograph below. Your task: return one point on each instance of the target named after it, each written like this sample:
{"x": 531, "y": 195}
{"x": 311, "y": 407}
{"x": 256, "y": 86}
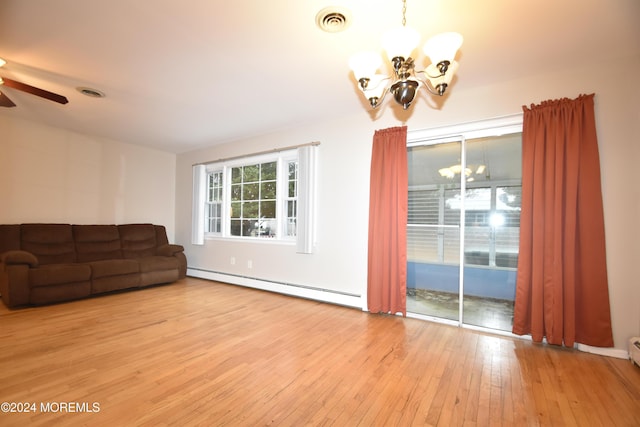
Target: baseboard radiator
{"x": 302, "y": 291}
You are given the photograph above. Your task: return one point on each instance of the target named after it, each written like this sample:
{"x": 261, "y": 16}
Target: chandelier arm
{"x": 381, "y": 99}
{"x": 385, "y": 80}
{"x": 427, "y": 84}
{"x": 375, "y": 101}
{"x": 429, "y": 75}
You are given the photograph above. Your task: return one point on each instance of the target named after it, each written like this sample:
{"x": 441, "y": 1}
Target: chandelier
{"x": 399, "y": 43}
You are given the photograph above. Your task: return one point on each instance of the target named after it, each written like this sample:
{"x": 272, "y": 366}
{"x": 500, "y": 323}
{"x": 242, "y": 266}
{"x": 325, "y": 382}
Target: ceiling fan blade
{"x": 5, "y": 101}
{"x": 35, "y": 91}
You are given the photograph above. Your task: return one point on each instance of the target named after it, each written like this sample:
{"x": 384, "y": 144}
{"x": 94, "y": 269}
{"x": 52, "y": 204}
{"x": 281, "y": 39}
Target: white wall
{"x": 340, "y": 261}
{"x": 52, "y": 175}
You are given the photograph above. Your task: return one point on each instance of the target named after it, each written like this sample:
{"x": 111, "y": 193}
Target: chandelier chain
{"x": 404, "y": 13}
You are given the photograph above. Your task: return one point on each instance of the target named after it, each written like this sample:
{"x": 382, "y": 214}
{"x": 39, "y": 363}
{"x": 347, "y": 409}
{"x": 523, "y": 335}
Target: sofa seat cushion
{"x": 113, "y": 267}
{"x": 158, "y": 263}
{"x": 56, "y": 274}
{"x": 59, "y": 293}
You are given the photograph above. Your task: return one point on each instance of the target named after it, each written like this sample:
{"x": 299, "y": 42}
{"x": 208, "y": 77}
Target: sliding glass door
{"x": 433, "y": 232}
{"x": 463, "y": 227}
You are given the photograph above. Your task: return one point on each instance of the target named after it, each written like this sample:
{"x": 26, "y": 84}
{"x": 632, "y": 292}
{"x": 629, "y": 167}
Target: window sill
{"x": 259, "y": 240}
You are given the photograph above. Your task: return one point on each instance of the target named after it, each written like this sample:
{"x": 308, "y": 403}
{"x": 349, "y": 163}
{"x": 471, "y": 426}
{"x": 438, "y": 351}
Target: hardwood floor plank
{"x": 204, "y": 353}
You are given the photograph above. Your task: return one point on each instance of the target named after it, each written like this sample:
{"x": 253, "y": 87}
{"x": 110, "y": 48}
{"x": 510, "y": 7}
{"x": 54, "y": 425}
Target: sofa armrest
{"x": 16, "y": 257}
{"x": 169, "y": 250}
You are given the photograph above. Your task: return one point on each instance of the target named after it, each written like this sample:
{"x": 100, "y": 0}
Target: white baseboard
{"x": 608, "y": 351}
{"x": 308, "y": 292}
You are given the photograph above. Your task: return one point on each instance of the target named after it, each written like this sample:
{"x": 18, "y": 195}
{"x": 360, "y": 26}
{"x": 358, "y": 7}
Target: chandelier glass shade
{"x": 405, "y": 82}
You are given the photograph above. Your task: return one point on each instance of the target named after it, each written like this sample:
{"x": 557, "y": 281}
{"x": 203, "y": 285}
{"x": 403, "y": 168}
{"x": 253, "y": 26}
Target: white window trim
{"x": 471, "y": 130}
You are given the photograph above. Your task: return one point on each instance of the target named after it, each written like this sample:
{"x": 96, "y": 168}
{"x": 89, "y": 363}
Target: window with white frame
{"x": 291, "y": 199}
{"x": 253, "y": 197}
{"x": 213, "y": 202}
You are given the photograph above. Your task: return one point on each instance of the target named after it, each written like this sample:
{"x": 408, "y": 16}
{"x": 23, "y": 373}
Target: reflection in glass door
{"x": 463, "y": 227}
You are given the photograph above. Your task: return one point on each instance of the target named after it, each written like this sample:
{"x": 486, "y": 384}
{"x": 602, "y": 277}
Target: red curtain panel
{"x": 387, "y": 256}
{"x": 562, "y": 290}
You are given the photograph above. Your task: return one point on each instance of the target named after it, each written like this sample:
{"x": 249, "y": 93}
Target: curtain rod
{"x": 273, "y": 150}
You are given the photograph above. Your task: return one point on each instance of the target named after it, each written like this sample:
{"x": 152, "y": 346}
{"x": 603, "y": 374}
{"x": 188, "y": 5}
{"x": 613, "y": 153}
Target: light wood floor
{"x": 205, "y": 353}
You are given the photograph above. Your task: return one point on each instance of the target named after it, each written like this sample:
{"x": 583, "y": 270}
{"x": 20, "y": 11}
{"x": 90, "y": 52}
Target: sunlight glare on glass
{"x": 496, "y": 220}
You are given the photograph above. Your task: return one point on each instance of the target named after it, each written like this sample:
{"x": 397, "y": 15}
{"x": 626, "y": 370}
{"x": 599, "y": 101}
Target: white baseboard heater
{"x": 302, "y": 291}
{"x": 634, "y": 350}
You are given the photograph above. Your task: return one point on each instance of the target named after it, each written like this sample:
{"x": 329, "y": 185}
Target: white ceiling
{"x": 183, "y": 74}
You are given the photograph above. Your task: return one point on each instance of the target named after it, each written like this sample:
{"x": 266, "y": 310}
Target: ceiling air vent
{"x": 333, "y": 19}
{"x": 93, "y": 93}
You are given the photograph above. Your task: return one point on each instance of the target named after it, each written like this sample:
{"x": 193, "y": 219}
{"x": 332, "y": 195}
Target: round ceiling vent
{"x": 333, "y": 19}
{"x": 93, "y": 93}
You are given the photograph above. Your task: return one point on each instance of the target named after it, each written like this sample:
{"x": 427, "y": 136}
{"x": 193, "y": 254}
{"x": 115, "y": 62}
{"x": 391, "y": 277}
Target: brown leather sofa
{"x": 48, "y": 263}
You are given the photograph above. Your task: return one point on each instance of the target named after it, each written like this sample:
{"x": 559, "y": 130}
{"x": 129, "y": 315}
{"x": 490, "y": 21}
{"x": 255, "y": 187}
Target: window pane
{"x": 452, "y": 203}
{"x": 507, "y": 225}
{"x": 451, "y": 248}
{"x": 268, "y": 190}
{"x": 215, "y": 226}
{"x": 251, "y": 191}
{"x": 236, "y": 210}
{"x": 424, "y": 207}
{"x": 269, "y": 171}
{"x": 422, "y": 244}
{"x": 250, "y": 210}
{"x": 236, "y": 175}
{"x": 251, "y": 173}
{"x": 213, "y": 222}
{"x": 236, "y": 227}
{"x": 236, "y": 192}
{"x": 268, "y": 209}
{"x": 265, "y": 228}
{"x": 478, "y": 229}
{"x": 293, "y": 170}
{"x": 215, "y": 210}
{"x": 291, "y": 227}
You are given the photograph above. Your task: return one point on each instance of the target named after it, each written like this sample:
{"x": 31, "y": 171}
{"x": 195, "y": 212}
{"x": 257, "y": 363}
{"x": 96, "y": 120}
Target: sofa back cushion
{"x": 137, "y": 240}
{"x": 97, "y": 242}
{"x": 9, "y": 237}
{"x": 161, "y": 235}
{"x": 51, "y": 243}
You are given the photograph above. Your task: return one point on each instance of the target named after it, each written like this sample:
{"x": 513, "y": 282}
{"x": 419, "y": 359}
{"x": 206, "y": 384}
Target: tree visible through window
{"x": 253, "y": 200}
